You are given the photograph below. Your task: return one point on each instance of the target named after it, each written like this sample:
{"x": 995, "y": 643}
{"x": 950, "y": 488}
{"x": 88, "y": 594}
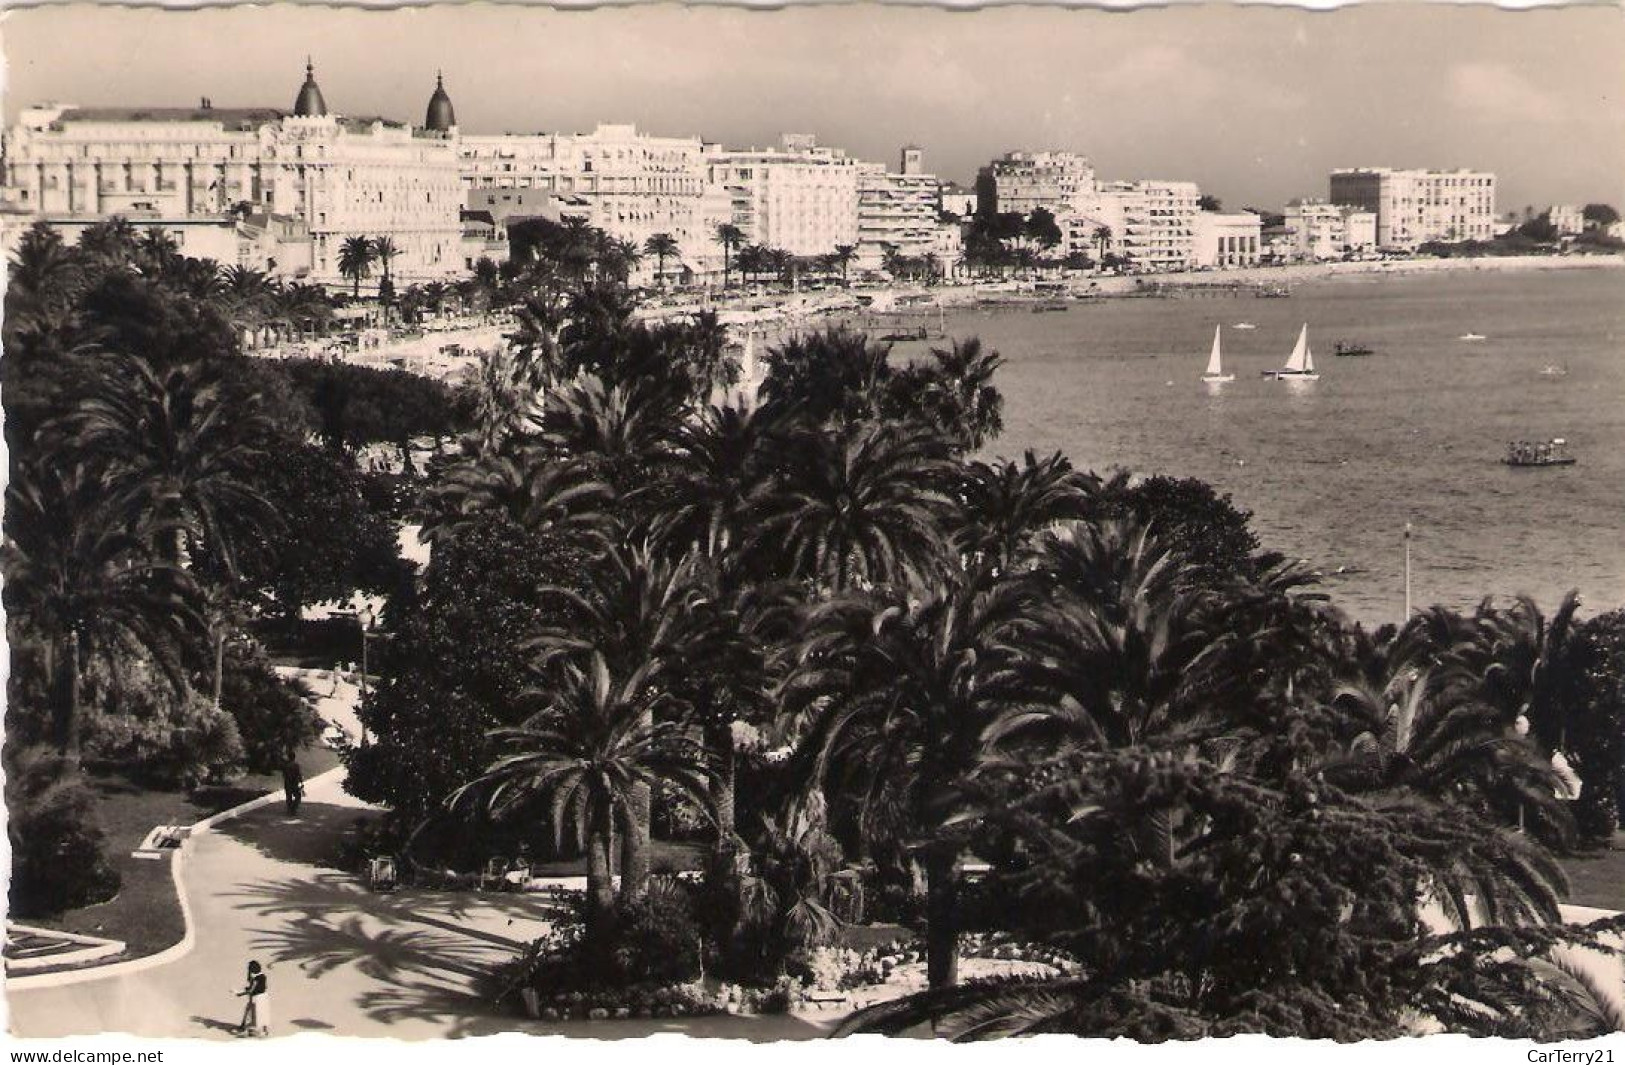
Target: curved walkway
{"x": 343, "y": 960}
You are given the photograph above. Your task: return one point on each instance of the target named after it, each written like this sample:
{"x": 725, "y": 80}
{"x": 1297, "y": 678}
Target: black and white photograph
{"x": 826, "y": 521}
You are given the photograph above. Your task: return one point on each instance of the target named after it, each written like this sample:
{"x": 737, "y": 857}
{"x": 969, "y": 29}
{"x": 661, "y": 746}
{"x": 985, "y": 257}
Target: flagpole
{"x": 1407, "y": 572}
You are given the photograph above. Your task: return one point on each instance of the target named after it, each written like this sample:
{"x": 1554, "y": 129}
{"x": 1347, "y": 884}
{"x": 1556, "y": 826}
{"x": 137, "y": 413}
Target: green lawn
{"x": 145, "y": 914}
{"x": 1597, "y": 878}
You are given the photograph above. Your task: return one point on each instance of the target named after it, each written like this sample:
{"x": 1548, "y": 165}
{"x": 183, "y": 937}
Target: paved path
{"x": 342, "y": 960}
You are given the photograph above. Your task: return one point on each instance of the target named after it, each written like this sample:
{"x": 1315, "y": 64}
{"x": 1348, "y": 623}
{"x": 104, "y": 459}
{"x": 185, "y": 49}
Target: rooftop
{"x": 238, "y": 118}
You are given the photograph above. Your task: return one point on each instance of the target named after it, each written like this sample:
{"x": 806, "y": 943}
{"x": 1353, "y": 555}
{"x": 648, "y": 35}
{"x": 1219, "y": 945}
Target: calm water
{"x": 1332, "y": 470}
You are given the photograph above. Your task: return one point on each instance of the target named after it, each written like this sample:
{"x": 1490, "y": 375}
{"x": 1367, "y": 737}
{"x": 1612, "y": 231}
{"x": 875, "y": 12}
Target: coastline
{"x": 770, "y": 316}
{"x": 958, "y": 294}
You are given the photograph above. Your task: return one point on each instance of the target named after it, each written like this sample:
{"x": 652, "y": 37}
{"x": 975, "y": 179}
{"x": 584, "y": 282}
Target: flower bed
{"x": 643, "y": 1001}
{"x": 655, "y": 1000}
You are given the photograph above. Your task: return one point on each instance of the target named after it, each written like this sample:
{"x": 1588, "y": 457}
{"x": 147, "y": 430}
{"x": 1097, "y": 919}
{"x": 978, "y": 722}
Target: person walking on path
{"x": 293, "y": 785}
{"x": 257, "y": 1011}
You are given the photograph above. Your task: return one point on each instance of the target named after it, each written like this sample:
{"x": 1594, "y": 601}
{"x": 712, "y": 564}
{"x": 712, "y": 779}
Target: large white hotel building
{"x": 203, "y": 172}
{"x": 1417, "y": 206}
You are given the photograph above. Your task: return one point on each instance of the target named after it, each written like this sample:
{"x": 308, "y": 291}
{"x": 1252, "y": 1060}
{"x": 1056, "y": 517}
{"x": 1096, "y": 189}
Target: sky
{"x": 1255, "y": 104}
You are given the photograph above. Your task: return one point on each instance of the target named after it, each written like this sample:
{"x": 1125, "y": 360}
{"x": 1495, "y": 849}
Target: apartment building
{"x": 1413, "y": 207}
{"x": 629, "y": 184}
{"x": 1021, "y": 182}
{"x": 1153, "y": 222}
{"x": 896, "y": 211}
{"x": 799, "y": 196}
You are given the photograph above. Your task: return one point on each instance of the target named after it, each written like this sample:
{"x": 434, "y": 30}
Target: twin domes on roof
{"x": 440, "y": 117}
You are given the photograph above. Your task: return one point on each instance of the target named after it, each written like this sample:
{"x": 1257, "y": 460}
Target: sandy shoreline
{"x": 774, "y": 315}
{"x": 951, "y": 295}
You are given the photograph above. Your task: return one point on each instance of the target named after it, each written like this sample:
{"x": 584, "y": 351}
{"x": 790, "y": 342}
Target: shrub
{"x": 656, "y": 937}
{"x": 166, "y": 736}
{"x": 273, "y": 715}
{"x": 56, "y": 847}
{"x": 652, "y": 940}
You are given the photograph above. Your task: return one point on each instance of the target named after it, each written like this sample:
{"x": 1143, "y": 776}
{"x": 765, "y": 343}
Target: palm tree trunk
{"x": 67, "y": 709}
{"x": 720, "y": 741}
{"x": 600, "y": 887}
{"x": 635, "y": 845}
{"x": 942, "y": 915}
{"x": 219, "y": 665}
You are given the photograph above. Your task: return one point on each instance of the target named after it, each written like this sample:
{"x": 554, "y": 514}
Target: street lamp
{"x": 366, "y": 619}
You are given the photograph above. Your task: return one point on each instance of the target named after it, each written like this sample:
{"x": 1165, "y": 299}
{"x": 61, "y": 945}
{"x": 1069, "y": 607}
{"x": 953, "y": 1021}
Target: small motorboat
{"x": 1244, "y": 325}
{"x": 1346, "y": 348}
{"x": 1555, "y": 371}
{"x": 1553, "y": 452}
{"x": 1472, "y": 336}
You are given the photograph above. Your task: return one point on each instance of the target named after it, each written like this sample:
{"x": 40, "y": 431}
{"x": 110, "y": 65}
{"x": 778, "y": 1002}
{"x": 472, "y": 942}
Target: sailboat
{"x": 1301, "y": 365}
{"x": 1215, "y": 373}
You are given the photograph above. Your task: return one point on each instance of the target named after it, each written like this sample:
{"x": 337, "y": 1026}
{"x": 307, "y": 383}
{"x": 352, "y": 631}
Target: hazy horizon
{"x": 1254, "y": 104}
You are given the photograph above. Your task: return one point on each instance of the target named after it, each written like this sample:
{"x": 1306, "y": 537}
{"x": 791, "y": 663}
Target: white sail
{"x": 1213, "y": 360}
{"x": 1300, "y": 360}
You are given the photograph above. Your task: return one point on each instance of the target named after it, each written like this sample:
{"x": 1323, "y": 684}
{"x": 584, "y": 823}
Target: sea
{"x": 1334, "y": 470}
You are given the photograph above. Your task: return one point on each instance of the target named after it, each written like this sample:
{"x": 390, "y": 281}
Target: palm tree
{"x": 88, "y": 585}
{"x": 594, "y": 742}
{"x": 901, "y": 693}
{"x": 751, "y": 260}
{"x": 1005, "y": 506}
{"x": 662, "y": 246}
{"x": 1420, "y": 732}
{"x": 621, "y": 433}
{"x": 862, "y": 503}
{"x": 626, "y": 255}
{"x": 781, "y": 262}
{"x": 640, "y": 612}
{"x": 1523, "y": 657}
{"x": 960, "y": 394}
{"x": 1109, "y": 641}
{"x": 731, "y": 237}
{"x": 1103, "y": 239}
{"x": 113, "y": 240}
{"x": 157, "y": 249}
{"x": 384, "y": 250}
{"x": 356, "y": 256}
{"x": 534, "y": 491}
{"x": 252, "y": 294}
{"x": 177, "y": 452}
{"x": 45, "y": 277}
{"x": 843, "y": 256}
{"x": 719, "y": 469}
{"x": 578, "y": 242}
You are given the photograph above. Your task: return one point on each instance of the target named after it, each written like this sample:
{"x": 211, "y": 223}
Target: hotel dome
{"x": 310, "y": 103}
{"x": 440, "y": 117}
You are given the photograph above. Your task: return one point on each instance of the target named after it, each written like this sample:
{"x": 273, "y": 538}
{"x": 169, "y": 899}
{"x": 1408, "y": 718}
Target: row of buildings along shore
{"x": 282, "y": 190}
